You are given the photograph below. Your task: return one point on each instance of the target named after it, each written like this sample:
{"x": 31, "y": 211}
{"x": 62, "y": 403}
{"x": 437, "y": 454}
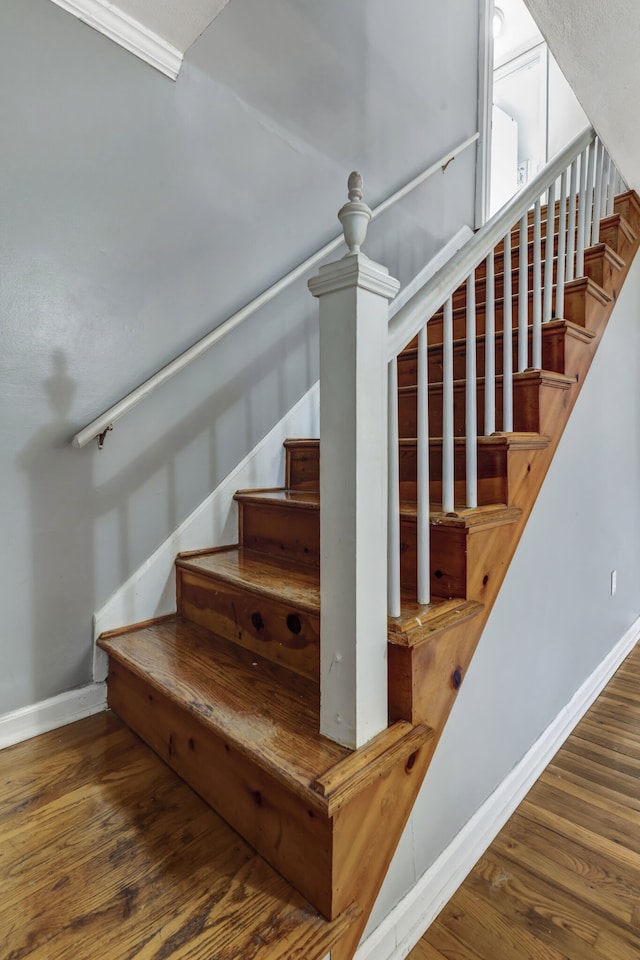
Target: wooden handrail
{"x": 98, "y": 428}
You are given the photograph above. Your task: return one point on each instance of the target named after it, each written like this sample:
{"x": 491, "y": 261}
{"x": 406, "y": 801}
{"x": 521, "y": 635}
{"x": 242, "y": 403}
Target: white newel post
{"x": 354, "y": 294}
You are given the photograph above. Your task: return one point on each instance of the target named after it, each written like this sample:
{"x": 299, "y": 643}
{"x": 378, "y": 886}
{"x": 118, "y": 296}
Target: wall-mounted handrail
{"x": 98, "y": 427}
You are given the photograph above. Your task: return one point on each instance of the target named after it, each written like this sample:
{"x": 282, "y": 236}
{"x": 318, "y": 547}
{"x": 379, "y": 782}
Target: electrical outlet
{"x": 614, "y": 582}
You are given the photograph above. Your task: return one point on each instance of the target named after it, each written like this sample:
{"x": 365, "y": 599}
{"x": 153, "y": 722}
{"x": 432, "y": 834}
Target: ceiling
{"x": 179, "y": 22}
{"x": 157, "y": 31}
{"x": 596, "y": 46}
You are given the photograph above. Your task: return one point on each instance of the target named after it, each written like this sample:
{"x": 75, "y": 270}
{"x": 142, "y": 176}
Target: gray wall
{"x": 554, "y": 620}
{"x": 136, "y": 215}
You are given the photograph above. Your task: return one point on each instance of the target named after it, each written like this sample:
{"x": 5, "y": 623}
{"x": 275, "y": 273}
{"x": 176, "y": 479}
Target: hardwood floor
{"x": 562, "y": 879}
{"x": 105, "y": 852}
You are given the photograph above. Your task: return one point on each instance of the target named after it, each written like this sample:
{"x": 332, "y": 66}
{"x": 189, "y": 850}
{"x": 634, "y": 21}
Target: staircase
{"x": 227, "y": 690}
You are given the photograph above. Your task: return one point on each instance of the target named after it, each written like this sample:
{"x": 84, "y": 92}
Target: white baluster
{"x": 507, "y": 341}
{"x": 536, "y": 332}
{"x": 561, "y": 267}
{"x": 393, "y": 489}
{"x": 611, "y": 186}
{"x": 471, "y": 418}
{"x": 448, "y": 463}
{"x": 597, "y": 197}
{"x": 582, "y": 213}
{"x": 548, "y": 266}
{"x": 571, "y": 229}
{"x": 490, "y": 348}
{"x": 523, "y": 296}
{"x": 424, "y": 571}
{"x": 591, "y": 166}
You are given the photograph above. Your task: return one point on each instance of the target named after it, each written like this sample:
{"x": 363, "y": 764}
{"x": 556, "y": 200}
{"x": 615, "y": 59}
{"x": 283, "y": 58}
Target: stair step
{"x": 494, "y": 454}
{"x": 618, "y": 234}
{"x": 557, "y": 352}
{"x": 243, "y": 733}
{"x": 268, "y": 606}
{"x": 583, "y": 301}
{"x": 533, "y": 403}
{"x": 281, "y": 523}
{"x": 493, "y": 468}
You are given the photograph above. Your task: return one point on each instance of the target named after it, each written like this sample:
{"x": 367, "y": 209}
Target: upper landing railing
{"x": 98, "y": 428}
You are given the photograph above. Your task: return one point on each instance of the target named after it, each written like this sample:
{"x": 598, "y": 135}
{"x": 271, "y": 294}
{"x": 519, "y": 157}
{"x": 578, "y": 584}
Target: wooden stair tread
{"x": 517, "y": 440}
{"x": 298, "y": 499}
{"x": 260, "y": 574}
{"x": 419, "y": 621}
{"x": 266, "y": 712}
{"x": 491, "y": 515}
{"x": 261, "y": 710}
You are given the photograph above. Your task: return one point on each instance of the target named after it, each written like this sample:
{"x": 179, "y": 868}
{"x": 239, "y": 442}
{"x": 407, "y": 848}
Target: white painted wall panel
{"x": 137, "y": 215}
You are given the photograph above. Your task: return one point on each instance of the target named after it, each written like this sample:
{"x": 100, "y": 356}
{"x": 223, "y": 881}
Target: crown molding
{"x": 129, "y": 33}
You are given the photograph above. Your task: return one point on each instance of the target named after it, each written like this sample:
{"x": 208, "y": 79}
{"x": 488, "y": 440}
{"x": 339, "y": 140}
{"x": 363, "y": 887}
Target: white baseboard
{"x": 399, "y": 932}
{"x": 109, "y": 20}
{"x": 49, "y": 714}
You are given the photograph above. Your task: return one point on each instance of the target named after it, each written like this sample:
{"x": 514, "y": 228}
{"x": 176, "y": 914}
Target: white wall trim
{"x": 49, "y": 714}
{"x": 401, "y": 929}
{"x": 485, "y": 100}
{"x": 108, "y": 19}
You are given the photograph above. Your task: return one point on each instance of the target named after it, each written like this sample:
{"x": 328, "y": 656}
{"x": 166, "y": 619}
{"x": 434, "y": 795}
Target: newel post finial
{"x": 355, "y": 215}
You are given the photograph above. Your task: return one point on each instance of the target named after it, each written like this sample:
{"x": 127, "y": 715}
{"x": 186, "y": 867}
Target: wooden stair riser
{"x": 302, "y": 467}
{"x": 280, "y": 530}
{"x": 498, "y": 257}
{"x": 582, "y": 300}
{"x": 277, "y": 823}
{"x": 281, "y": 632}
{"x": 532, "y": 403}
{"x": 557, "y": 347}
{"x": 492, "y": 473}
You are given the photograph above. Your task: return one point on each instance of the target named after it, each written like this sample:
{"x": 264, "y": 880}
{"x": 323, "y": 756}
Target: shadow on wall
{"x": 95, "y": 517}
{"x": 60, "y": 490}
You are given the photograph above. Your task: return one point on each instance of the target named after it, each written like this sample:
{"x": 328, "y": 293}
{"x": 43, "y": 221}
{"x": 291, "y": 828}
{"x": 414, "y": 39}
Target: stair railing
{"x": 585, "y": 180}
{"x": 98, "y": 428}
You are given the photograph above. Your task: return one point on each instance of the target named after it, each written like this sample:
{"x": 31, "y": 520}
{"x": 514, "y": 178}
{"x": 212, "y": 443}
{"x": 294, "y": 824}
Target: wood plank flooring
{"x": 105, "y": 852}
{"x": 562, "y": 879}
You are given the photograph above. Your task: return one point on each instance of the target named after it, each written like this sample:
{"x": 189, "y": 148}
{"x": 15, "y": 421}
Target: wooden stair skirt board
{"x": 227, "y": 690}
